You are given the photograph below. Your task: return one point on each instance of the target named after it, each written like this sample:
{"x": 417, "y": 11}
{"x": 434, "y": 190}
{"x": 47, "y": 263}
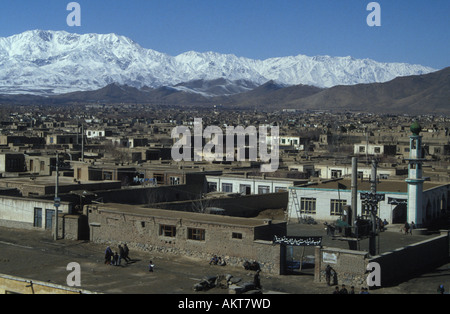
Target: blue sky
{"x": 414, "y": 31}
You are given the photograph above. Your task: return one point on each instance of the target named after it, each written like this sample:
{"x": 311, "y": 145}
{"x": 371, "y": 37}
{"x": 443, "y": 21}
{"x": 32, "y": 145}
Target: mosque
{"x": 415, "y": 199}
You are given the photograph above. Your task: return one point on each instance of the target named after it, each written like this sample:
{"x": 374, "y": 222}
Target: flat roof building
{"x": 190, "y": 234}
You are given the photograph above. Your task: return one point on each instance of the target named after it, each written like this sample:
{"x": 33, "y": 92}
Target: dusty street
{"x": 34, "y": 255}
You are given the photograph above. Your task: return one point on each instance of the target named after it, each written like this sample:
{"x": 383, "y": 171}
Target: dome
{"x": 416, "y": 128}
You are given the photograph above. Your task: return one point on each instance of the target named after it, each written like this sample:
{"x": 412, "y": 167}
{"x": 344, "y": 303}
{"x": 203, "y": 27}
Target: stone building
{"x": 194, "y": 235}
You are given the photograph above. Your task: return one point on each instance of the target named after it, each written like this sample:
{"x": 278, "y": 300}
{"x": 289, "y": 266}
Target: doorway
{"x": 399, "y": 214}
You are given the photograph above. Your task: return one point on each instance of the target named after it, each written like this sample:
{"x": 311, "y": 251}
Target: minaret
{"x": 415, "y": 180}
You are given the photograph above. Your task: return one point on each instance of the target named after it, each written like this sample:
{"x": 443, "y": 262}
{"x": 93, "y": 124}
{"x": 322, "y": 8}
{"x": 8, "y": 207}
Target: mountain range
{"x": 55, "y": 62}
{"x": 56, "y": 67}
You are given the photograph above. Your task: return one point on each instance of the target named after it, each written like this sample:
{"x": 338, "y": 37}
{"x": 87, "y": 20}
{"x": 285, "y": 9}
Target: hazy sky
{"x": 414, "y": 31}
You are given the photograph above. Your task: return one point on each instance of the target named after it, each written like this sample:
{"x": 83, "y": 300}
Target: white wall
{"x": 323, "y": 200}
{"x": 252, "y": 182}
{"x": 16, "y": 209}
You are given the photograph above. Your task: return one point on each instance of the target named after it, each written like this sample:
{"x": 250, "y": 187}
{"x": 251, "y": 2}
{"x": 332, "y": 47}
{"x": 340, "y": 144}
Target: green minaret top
{"x": 416, "y": 128}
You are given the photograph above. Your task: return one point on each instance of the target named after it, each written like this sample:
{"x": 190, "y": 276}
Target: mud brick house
{"x": 194, "y": 235}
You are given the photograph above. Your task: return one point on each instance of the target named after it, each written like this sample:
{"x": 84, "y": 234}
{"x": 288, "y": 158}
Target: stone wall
{"x": 73, "y": 227}
{"x": 350, "y": 266}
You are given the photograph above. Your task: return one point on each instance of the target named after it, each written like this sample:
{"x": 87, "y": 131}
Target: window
{"x": 245, "y": 189}
{"x": 42, "y": 166}
{"x": 280, "y": 189}
{"x": 174, "y": 180}
{"x": 196, "y": 234}
{"x": 236, "y": 235}
{"x": 377, "y": 150}
{"x": 159, "y": 177}
{"x": 336, "y": 174}
{"x": 336, "y": 207}
{"x": 362, "y": 149}
{"x": 227, "y": 187}
{"x": 49, "y": 214}
{"x": 37, "y": 217}
{"x": 107, "y": 175}
{"x": 167, "y": 231}
{"x": 263, "y": 189}
{"x": 212, "y": 187}
{"x": 307, "y": 205}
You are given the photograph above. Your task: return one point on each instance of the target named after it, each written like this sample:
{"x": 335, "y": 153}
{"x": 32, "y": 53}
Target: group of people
{"x": 408, "y": 228}
{"x": 331, "y": 277}
{"x": 215, "y": 260}
{"x": 115, "y": 258}
{"x": 344, "y": 290}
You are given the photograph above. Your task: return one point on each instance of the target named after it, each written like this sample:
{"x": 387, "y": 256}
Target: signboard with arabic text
{"x": 298, "y": 241}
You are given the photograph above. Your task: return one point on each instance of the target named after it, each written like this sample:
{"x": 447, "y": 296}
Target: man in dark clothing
{"x": 328, "y": 271}
{"x": 125, "y": 253}
{"x": 343, "y": 290}
{"x": 256, "y": 280}
{"x": 108, "y": 255}
{"x": 121, "y": 254}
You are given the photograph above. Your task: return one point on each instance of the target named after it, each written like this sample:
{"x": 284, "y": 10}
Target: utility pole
{"x": 82, "y": 142}
{"x": 354, "y": 191}
{"x": 57, "y": 199}
{"x": 370, "y": 201}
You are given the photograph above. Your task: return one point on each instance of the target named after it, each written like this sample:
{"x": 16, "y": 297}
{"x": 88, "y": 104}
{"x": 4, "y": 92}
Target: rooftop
{"x": 46, "y": 181}
{"x": 395, "y": 186}
{"x": 198, "y": 217}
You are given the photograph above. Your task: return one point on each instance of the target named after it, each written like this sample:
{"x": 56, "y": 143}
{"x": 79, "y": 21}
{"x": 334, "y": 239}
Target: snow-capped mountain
{"x": 58, "y": 62}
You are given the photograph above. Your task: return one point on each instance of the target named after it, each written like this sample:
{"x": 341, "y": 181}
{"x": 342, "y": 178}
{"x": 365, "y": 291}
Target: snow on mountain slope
{"x": 56, "y": 61}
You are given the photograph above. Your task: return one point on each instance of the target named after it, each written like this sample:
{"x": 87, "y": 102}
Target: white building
{"x": 29, "y": 213}
{"x": 326, "y": 171}
{"x": 363, "y": 149}
{"x": 247, "y": 185}
{"x": 325, "y": 201}
{"x": 284, "y": 141}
